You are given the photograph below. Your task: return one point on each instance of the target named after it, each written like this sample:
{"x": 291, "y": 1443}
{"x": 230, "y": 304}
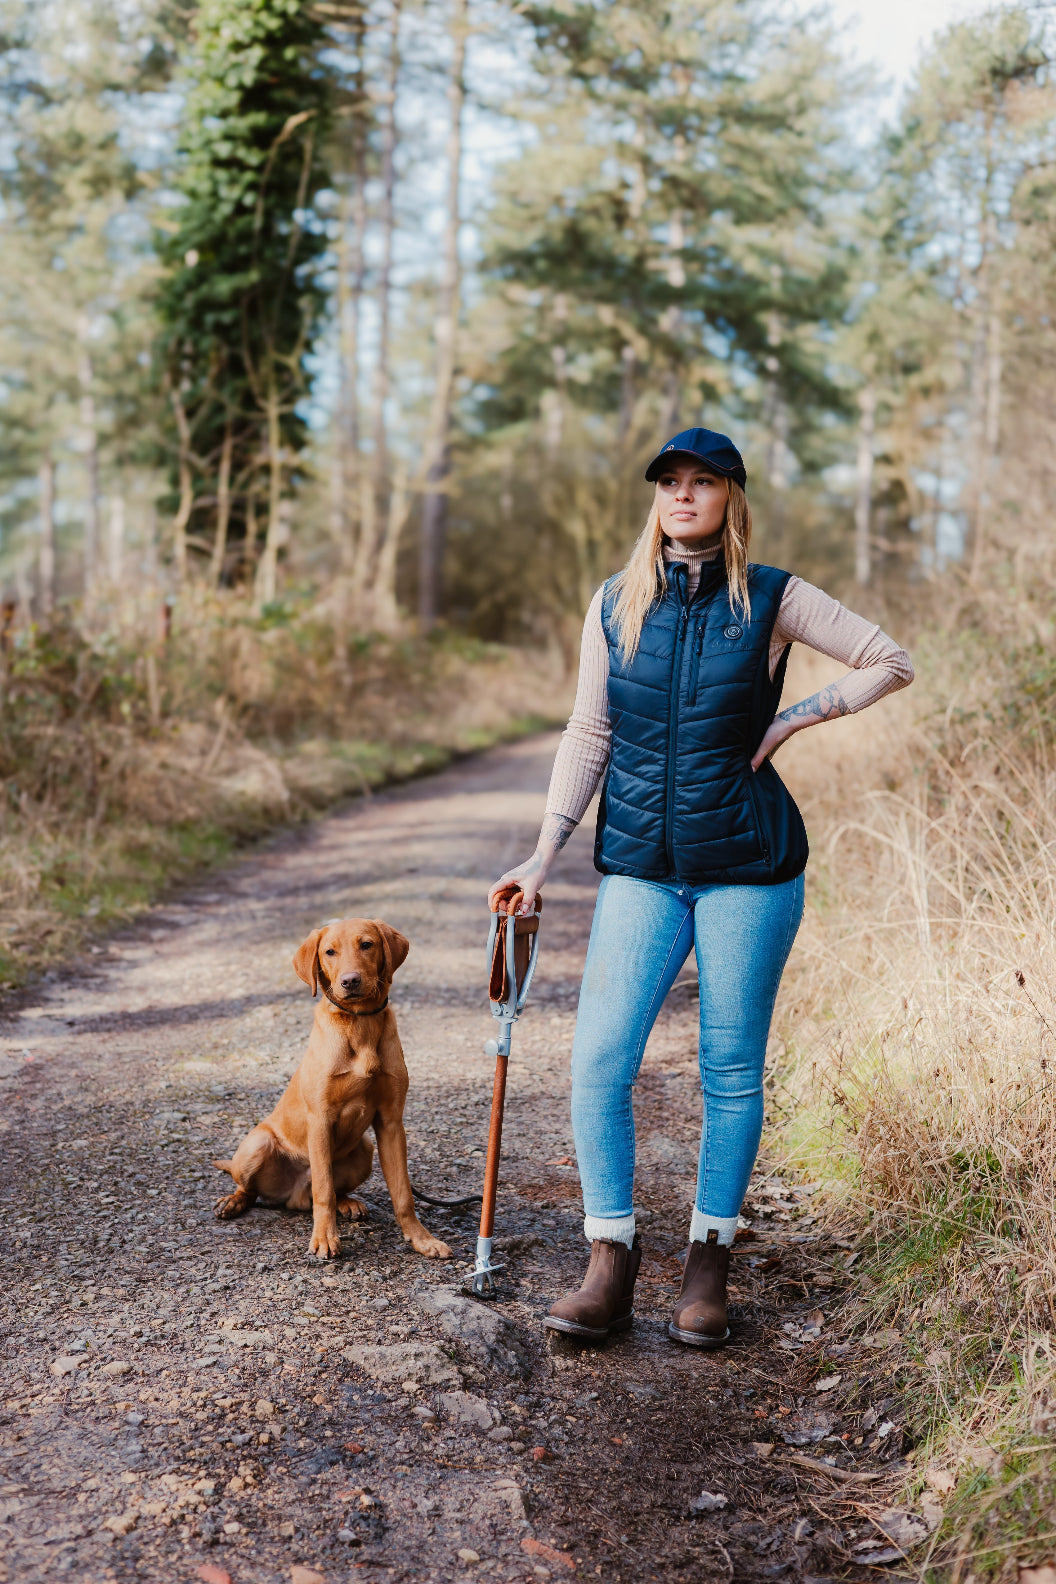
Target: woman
{"x": 699, "y": 843}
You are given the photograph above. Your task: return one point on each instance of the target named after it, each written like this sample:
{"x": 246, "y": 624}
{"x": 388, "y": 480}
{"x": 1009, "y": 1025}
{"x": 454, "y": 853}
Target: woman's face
{"x": 692, "y": 503}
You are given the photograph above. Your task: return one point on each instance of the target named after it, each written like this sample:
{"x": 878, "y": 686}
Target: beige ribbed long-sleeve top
{"x": 807, "y": 615}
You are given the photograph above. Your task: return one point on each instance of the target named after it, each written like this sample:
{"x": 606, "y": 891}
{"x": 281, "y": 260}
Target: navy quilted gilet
{"x": 680, "y": 799}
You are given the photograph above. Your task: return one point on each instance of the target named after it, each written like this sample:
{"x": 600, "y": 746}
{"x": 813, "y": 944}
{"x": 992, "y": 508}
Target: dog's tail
{"x": 224, "y": 1166}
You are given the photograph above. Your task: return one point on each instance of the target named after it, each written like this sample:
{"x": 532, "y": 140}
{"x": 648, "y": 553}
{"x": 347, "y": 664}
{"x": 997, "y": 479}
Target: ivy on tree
{"x": 243, "y": 298}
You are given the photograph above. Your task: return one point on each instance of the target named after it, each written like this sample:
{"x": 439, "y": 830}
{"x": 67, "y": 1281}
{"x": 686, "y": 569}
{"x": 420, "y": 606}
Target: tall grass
{"x": 918, "y": 1076}
{"x": 130, "y": 757}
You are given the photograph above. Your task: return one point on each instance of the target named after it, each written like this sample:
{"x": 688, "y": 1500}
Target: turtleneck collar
{"x": 694, "y": 561}
{"x": 691, "y": 556}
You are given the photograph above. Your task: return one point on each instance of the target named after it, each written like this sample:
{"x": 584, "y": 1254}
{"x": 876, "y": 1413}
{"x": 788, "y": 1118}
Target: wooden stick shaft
{"x": 491, "y": 1167}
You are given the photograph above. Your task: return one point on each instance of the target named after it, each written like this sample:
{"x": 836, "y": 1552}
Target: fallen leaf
{"x": 305, "y": 1575}
{"x": 762, "y": 1448}
{"x": 1045, "y": 1574}
{"x": 537, "y": 1548}
{"x": 816, "y": 1317}
{"x": 870, "y": 1553}
{"x": 943, "y": 1481}
{"x": 905, "y": 1529}
{"x": 209, "y": 1573}
{"x": 828, "y": 1384}
{"x": 353, "y": 1447}
{"x": 541, "y": 1455}
{"x": 708, "y": 1502}
{"x": 937, "y": 1357}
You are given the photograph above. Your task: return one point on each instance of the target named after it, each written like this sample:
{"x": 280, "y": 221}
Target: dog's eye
{"x": 330, "y": 952}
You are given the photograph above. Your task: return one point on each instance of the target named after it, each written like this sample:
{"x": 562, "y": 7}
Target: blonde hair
{"x": 644, "y": 579}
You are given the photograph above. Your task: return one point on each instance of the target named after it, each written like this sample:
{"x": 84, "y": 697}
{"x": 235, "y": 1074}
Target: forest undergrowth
{"x": 128, "y": 764}
{"x": 915, "y": 1083}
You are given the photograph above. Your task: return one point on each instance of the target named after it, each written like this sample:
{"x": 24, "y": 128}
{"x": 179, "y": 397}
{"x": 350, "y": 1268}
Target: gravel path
{"x": 188, "y": 1399}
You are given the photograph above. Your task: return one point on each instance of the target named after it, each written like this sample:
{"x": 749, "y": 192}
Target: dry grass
{"x": 129, "y": 763}
{"x": 917, "y": 1082}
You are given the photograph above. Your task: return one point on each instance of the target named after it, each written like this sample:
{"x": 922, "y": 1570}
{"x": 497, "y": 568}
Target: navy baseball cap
{"x": 717, "y": 450}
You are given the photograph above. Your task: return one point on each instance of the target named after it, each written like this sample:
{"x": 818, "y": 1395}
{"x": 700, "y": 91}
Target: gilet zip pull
{"x": 697, "y": 651}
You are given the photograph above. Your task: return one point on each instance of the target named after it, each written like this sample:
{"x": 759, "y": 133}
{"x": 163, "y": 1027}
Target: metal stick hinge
{"x": 513, "y": 1008}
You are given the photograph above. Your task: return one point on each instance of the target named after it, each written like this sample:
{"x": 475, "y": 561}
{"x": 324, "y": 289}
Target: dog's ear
{"x": 306, "y": 960}
{"x": 396, "y": 946}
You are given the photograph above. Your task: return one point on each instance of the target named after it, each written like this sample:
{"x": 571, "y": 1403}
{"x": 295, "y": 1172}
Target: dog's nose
{"x": 351, "y": 981}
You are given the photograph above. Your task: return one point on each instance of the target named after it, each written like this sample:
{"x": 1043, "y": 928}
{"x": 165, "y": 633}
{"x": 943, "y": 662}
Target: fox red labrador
{"x": 312, "y": 1151}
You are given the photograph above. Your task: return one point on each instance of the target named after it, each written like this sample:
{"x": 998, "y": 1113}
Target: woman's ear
{"x": 306, "y": 960}
{"x": 396, "y": 947}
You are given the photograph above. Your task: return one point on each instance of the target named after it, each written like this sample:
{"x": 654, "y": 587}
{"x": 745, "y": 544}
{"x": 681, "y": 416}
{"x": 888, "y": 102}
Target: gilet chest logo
{"x": 733, "y": 631}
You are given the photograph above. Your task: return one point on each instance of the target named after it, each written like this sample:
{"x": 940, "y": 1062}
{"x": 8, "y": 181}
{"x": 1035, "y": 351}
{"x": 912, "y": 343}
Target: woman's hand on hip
{"x": 827, "y": 704}
{"x": 776, "y": 733}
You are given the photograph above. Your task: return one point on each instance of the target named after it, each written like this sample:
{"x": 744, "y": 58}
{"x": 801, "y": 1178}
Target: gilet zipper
{"x": 672, "y": 734}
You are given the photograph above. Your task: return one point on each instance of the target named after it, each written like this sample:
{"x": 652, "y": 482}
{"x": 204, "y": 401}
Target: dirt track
{"x": 181, "y": 1394}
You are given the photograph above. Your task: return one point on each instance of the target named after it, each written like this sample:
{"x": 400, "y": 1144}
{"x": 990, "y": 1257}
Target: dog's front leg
{"x": 392, "y": 1153}
{"x": 325, "y": 1241}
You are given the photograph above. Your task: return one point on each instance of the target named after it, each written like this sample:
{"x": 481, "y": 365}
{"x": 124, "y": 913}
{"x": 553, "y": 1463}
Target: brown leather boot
{"x": 700, "y": 1313}
{"x": 605, "y": 1302}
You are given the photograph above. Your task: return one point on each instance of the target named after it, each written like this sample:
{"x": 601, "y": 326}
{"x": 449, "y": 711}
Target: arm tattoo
{"x": 826, "y": 705}
{"x": 556, "y": 830}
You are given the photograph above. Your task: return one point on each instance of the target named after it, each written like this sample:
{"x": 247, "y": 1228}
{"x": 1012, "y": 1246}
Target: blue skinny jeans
{"x": 643, "y": 932}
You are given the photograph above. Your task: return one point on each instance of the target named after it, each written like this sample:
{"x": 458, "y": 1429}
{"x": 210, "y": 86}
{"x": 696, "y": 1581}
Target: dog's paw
{"x": 430, "y": 1246}
{"x": 325, "y": 1243}
{"x": 230, "y": 1205}
{"x": 354, "y": 1209}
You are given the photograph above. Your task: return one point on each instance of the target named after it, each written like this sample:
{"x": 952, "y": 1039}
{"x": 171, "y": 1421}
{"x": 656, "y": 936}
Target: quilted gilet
{"x": 680, "y": 799}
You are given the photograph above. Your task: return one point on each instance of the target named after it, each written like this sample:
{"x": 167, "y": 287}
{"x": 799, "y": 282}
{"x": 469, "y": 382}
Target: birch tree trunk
{"x": 268, "y": 570}
{"x": 379, "y": 559}
{"x": 554, "y": 400}
{"x": 46, "y": 551}
{"x": 980, "y": 402}
{"x": 90, "y": 440}
{"x": 864, "y": 481}
{"x": 223, "y": 507}
{"x": 989, "y": 461}
{"x": 186, "y": 485}
{"x": 346, "y": 487}
{"x": 434, "y": 512}
{"x": 386, "y": 614}
{"x": 115, "y": 541}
